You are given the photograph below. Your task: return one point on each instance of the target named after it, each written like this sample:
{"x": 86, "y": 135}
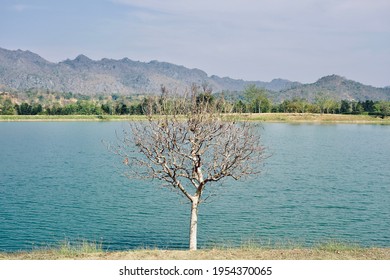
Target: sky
{"x": 300, "y": 40}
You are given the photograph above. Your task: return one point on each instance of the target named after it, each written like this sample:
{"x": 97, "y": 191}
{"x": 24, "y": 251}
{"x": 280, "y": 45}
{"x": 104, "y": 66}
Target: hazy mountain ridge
{"x": 23, "y": 70}
{"x": 336, "y": 87}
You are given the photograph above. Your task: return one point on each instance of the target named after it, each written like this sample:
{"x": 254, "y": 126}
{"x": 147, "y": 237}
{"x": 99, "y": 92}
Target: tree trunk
{"x": 194, "y": 223}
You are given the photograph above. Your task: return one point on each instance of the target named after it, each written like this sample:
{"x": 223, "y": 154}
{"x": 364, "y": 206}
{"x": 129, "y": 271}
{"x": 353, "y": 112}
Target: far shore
{"x": 260, "y": 117}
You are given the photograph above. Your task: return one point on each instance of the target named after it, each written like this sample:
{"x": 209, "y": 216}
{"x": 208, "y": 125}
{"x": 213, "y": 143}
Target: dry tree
{"x": 188, "y": 143}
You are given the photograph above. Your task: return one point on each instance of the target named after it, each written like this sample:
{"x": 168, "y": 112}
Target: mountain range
{"x": 23, "y": 70}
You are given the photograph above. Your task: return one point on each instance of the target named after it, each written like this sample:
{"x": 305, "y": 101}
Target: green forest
{"x": 252, "y": 100}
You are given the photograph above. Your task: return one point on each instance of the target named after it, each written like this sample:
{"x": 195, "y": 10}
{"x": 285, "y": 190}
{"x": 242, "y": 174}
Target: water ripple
{"x": 61, "y": 183}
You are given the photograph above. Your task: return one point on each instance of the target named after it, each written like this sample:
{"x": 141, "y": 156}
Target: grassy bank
{"x": 317, "y": 118}
{"x": 87, "y": 251}
{"x": 66, "y": 118}
{"x": 265, "y": 117}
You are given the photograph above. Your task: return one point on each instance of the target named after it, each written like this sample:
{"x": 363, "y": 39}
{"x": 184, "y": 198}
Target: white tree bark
{"x": 194, "y": 224}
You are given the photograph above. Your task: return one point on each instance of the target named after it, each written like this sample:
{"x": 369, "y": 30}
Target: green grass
{"x": 68, "y": 248}
{"x": 254, "y": 244}
{"x": 338, "y": 246}
{"x": 65, "y": 249}
{"x": 258, "y": 244}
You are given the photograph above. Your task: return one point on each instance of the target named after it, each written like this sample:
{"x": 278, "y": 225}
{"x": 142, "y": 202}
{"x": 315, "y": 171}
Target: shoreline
{"x": 259, "y": 117}
{"x": 316, "y": 118}
{"x": 209, "y": 254}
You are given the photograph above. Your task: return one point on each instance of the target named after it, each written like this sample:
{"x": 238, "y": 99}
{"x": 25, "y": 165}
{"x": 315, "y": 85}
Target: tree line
{"x": 255, "y": 100}
{"x": 252, "y": 100}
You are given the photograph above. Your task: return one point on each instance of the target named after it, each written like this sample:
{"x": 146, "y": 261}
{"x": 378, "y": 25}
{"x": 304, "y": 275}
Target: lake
{"x": 323, "y": 182}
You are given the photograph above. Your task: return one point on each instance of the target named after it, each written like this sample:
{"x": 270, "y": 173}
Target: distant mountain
{"x": 23, "y": 70}
{"x": 335, "y": 87}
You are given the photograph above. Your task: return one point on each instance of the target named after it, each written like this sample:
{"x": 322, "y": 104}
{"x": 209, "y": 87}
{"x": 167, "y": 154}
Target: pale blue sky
{"x": 300, "y": 40}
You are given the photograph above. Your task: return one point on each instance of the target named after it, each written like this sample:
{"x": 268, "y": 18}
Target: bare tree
{"x": 188, "y": 143}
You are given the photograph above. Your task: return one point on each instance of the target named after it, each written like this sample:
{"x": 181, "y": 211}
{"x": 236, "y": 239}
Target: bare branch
{"x": 188, "y": 143}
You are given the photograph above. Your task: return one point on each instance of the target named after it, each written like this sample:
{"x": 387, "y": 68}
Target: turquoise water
{"x": 58, "y": 181}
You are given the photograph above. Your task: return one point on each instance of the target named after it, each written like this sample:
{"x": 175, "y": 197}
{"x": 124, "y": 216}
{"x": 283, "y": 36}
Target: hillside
{"x": 336, "y": 87}
{"x": 23, "y": 70}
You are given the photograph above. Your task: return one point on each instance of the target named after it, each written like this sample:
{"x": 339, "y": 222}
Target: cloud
{"x": 22, "y": 8}
{"x": 274, "y": 14}
{"x": 250, "y": 39}
{"x": 190, "y": 6}
{"x": 258, "y": 38}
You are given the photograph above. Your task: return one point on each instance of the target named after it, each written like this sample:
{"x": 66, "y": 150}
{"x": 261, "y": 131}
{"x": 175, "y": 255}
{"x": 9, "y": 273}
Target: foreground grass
{"x": 264, "y": 117}
{"x": 87, "y": 251}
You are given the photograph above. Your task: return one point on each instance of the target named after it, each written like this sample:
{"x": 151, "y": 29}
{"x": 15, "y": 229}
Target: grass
{"x": 337, "y": 246}
{"x": 67, "y": 248}
{"x": 316, "y": 118}
{"x": 64, "y": 250}
{"x": 265, "y": 117}
{"x": 15, "y": 118}
{"x": 250, "y": 250}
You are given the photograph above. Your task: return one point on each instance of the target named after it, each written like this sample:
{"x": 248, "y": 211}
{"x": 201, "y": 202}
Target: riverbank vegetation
{"x": 93, "y": 251}
{"x": 252, "y": 100}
